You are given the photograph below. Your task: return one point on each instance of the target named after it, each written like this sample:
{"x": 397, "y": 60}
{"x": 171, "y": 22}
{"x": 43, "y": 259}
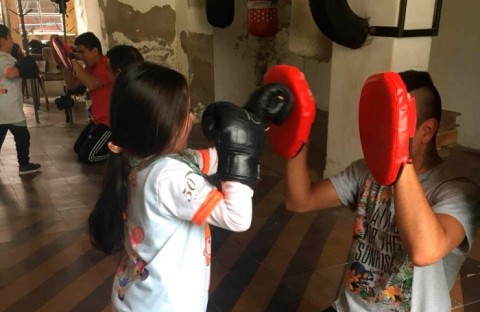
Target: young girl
{"x": 156, "y": 203}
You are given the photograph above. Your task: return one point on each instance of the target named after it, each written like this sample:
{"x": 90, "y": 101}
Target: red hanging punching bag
{"x": 262, "y": 17}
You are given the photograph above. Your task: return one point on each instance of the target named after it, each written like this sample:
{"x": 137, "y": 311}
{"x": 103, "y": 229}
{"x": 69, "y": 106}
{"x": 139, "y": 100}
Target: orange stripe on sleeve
{"x": 213, "y": 198}
{"x": 205, "y": 159}
{"x": 8, "y": 71}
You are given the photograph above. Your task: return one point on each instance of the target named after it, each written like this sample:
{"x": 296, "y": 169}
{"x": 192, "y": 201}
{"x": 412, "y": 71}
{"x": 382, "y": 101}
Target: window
{"x": 42, "y": 17}
{"x": 1, "y": 13}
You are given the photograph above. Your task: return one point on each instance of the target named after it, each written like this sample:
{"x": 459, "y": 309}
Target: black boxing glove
{"x": 271, "y": 102}
{"x": 239, "y": 138}
{"x": 27, "y": 67}
{"x": 16, "y": 52}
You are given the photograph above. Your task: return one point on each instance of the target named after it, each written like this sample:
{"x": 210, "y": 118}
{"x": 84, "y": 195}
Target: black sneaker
{"x": 30, "y": 168}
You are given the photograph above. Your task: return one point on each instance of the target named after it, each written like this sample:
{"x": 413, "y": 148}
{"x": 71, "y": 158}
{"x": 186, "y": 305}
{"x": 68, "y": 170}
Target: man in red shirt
{"x": 91, "y": 145}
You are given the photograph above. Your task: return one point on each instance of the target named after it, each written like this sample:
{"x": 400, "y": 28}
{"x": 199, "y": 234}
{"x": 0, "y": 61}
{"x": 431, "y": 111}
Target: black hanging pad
{"x": 338, "y": 22}
{"x": 220, "y": 12}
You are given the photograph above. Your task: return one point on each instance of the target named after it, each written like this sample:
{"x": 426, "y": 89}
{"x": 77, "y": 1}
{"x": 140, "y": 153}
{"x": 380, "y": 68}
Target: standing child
{"x": 156, "y": 202}
{"x": 12, "y": 117}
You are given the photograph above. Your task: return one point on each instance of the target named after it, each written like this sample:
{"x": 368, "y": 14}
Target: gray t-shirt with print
{"x": 379, "y": 275}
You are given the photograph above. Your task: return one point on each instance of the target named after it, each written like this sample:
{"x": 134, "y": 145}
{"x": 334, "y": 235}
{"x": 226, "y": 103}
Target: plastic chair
{"x": 50, "y": 71}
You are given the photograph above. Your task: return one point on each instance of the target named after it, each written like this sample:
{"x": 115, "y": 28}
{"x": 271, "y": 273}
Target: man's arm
{"x": 427, "y": 236}
{"x": 80, "y": 77}
{"x": 303, "y": 195}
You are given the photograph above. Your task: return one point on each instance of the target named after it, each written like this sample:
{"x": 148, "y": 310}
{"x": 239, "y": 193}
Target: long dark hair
{"x": 149, "y": 106}
{"x": 120, "y": 56}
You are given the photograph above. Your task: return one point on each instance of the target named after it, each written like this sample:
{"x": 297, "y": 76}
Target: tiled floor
{"x": 285, "y": 262}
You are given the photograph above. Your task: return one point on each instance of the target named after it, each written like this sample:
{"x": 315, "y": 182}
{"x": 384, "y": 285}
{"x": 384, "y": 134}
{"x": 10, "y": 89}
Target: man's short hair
{"x": 4, "y": 31}
{"x": 90, "y": 41}
{"x": 431, "y": 106}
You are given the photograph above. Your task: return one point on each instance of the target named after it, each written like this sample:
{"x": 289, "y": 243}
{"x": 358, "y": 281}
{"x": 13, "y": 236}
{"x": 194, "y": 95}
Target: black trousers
{"x": 91, "y": 145}
{"x": 22, "y": 141}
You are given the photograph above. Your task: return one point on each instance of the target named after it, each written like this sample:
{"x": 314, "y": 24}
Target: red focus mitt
{"x": 387, "y": 119}
{"x": 61, "y": 51}
{"x": 288, "y": 137}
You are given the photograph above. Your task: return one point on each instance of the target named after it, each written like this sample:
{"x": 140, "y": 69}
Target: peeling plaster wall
{"x": 241, "y": 59}
{"x": 199, "y": 49}
{"x": 152, "y": 29}
{"x": 195, "y": 53}
{"x": 181, "y": 41}
{"x": 220, "y": 64}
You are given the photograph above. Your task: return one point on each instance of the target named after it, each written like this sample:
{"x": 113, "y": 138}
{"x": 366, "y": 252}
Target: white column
{"x": 350, "y": 68}
{"x": 90, "y": 18}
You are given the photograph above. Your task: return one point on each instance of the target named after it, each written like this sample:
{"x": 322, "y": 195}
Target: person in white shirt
{"x": 157, "y": 200}
{"x": 12, "y": 117}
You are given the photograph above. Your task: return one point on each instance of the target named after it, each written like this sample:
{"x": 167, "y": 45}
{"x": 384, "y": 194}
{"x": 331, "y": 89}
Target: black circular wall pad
{"x": 220, "y": 12}
{"x": 338, "y": 22}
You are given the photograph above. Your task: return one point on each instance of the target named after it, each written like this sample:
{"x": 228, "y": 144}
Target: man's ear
{"x": 95, "y": 49}
{"x": 428, "y": 129}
